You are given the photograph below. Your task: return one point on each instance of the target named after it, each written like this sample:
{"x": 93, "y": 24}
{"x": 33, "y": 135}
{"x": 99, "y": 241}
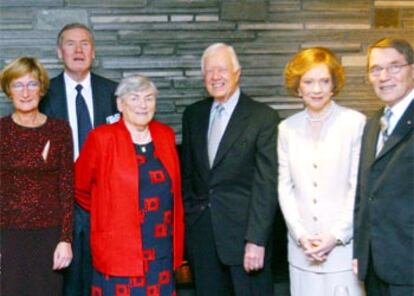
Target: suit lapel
{"x": 404, "y": 126}
{"x": 373, "y": 129}
{"x": 98, "y": 116}
{"x": 236, "y": 126}
{"x": 58, "y": 97}
{"x": 202, "y": 121}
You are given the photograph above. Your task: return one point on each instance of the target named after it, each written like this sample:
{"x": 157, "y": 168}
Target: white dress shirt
{"x": 317, "y": 183}
{"x": 71, "y": 93}
{"x": 228, "y": 106}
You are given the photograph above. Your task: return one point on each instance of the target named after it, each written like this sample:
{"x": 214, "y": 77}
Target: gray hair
{"x": 214, "y": 48}
{"x": 401, "y": 45}
{"x": 72, "y": 26}
{"x": 135, "y": 83}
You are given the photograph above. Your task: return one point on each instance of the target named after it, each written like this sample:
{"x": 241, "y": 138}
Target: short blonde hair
{"x": 308, "y": 58}
{"x": 20, "y": 67}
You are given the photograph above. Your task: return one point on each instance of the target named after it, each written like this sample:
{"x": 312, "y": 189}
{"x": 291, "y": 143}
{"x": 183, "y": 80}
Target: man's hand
{"x": 355, "y": 266}
{"x": 253, "y": 257}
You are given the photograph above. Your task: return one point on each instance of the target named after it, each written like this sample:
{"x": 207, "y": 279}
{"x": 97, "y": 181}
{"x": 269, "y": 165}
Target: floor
{"x": 279, "y": 262}
{"x": 281, "y": 289}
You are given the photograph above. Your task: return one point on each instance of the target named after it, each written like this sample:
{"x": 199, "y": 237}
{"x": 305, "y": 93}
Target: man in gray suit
{"x": 229, "y": 182}
{"x": 86, "y": 100}
{"x": 384, "y": 206}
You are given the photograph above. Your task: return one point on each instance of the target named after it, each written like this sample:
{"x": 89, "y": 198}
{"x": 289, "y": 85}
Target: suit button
{"x": 315, "y": 166}
{"x": 315, "y": 219}
{"x": 370, "y": 198}
{"x": 315, "y": 184}
{"x": 211, "y": 191}
{"x": 202, "y": 208}
{"x": 315, "y": 201}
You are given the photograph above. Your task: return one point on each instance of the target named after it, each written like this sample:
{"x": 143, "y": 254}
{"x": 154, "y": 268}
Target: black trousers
{"x": 26, "y": 263}
{"x": 375, "y": 286}
{"x": 78, "y": 276}
{"x": 211, "y": 276}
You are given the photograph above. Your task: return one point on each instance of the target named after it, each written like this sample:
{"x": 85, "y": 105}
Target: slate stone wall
{"x": 164, "y": 39}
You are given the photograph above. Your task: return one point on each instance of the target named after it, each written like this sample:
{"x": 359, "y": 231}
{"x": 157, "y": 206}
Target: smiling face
{"x": 77, "y": 51}
{"x": 315, "y": 88}
{"x": 221, "y": 79}
{"x": 137, "y": 108}
{"x": 25, "y": 93}
{"x": 390, "y": 88}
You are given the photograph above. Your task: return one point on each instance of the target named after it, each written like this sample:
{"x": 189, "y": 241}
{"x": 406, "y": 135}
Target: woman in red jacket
{"x": 128, "y": 177}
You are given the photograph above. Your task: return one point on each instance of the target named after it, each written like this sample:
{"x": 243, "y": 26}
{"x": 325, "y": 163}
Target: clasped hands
{"x": 317, "y": 247}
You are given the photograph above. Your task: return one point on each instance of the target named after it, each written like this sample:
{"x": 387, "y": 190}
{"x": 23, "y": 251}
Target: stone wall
{"x": 164, "y": 39}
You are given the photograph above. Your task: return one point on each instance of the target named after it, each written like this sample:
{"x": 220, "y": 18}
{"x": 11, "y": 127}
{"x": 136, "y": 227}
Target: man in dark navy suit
{"x": 229, "y": 182}
{"x": 384, "y": 206}
{"x": 86, "y": 100}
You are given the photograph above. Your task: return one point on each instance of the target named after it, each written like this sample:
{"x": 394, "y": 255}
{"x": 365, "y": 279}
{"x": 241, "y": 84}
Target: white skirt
{"x": 309, "y": 283}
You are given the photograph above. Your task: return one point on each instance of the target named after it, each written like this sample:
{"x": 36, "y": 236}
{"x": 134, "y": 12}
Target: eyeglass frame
{"x": 31, "y": 86}
{"x": 392, "y": 69}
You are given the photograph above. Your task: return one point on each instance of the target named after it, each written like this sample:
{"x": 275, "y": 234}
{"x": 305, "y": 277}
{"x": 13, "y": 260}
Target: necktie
{"x": 216, "y": 132}
{"x": 82, "y": 115}
{"x": 385, "y": 123}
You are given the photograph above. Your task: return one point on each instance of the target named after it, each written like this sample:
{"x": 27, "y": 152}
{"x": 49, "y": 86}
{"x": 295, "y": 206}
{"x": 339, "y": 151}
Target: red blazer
{"x": 106, "y": 184}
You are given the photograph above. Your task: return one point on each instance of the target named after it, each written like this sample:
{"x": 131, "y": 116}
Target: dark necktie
{"x": 82, "y": 115}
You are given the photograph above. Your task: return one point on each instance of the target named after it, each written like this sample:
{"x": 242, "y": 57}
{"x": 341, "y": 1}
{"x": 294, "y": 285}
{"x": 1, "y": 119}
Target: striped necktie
{"x": 384, "y": 123}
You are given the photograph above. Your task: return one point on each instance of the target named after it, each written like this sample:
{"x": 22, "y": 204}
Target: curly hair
{"x": 308, "y": 58}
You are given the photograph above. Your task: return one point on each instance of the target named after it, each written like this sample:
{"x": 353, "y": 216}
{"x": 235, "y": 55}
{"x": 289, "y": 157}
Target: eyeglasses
{"x": 391, "y": 69}
{"x": 31, "y": 86}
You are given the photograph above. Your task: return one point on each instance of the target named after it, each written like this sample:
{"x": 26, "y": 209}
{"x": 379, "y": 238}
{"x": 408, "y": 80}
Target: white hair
{"x": 214, "y": 48}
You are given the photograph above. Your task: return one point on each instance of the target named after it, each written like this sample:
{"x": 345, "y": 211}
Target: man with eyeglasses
{"x": 384, "y": 205}
{"x": 86, "y": 100}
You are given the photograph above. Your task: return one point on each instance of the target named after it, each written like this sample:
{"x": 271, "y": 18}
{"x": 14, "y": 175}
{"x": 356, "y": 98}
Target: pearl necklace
{"x": 320, "y": 117}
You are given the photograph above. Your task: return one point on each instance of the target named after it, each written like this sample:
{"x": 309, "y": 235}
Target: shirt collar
{"x": 399, "y": 108}
{"x": 231, "y": 103}
{"x": 71, "y": 84}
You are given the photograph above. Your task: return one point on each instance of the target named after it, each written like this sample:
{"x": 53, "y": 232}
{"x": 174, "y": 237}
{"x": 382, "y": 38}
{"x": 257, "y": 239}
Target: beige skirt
{"x": 309, "y": 283}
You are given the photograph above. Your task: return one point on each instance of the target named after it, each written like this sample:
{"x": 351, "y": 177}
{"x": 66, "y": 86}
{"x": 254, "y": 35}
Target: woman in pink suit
{"x": 318, "y": 152}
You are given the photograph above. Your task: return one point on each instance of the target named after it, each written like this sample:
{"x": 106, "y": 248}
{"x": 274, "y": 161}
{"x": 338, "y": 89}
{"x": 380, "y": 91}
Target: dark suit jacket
{"x": 54, "y": 103}
{"x": 240, "y": 188}
{"x": 384, "y": 205}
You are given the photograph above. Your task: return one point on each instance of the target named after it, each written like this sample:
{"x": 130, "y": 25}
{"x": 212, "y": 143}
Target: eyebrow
{"x": 82, "y": 40}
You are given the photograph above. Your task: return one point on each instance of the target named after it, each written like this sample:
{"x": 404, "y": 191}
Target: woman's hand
{"x": 62, "y": 255}
{"x": 322, "y": 244}
{"x": 308, "y": 243}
